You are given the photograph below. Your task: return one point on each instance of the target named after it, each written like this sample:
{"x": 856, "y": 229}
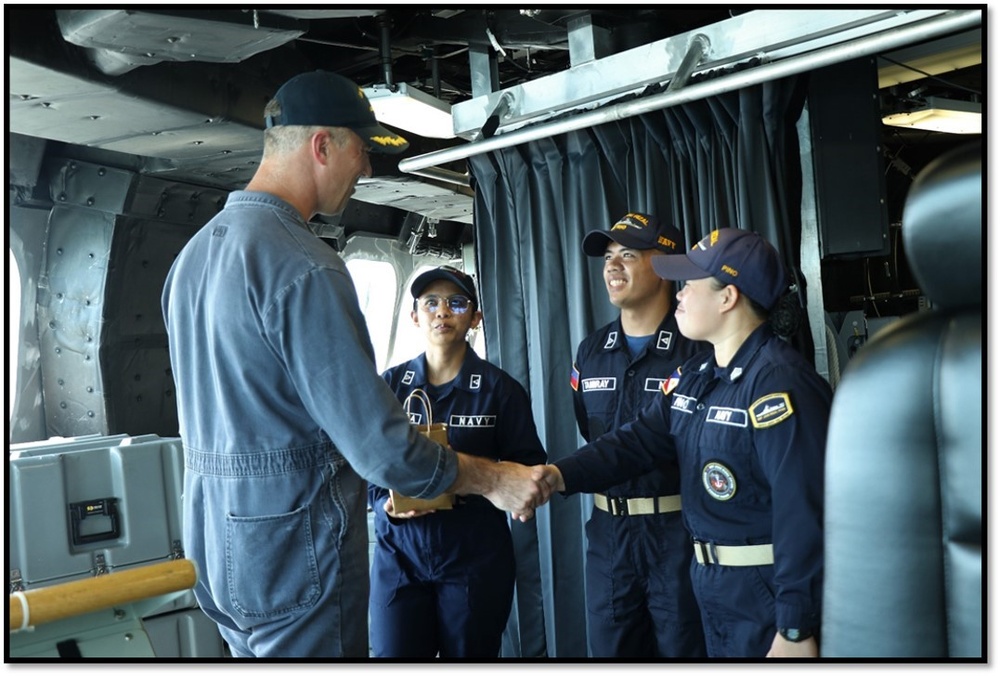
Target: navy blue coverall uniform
{"x": 750, "y": 441}
{"x": 444, "y": 582}
{"x": 639, "y": 598}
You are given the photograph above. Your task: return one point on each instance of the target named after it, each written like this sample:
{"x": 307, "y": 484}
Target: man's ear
{"x": 319, "y": 145}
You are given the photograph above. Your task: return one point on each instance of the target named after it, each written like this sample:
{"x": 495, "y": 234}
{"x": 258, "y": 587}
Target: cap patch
{"x": 669, "y": 243}
{"x": 631, "y": 221}
{"x": 718, "y": 480}
{"x": 771, "y": 409}
{"x": 392, "y": 141}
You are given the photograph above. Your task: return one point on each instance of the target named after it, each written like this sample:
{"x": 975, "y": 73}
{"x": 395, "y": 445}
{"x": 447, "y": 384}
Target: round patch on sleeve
{"x": 771, "y": 409}
{"x": 718, "y": 480}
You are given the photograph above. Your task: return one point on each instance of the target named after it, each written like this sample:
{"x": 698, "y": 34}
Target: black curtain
{"x": 730, "y": 160}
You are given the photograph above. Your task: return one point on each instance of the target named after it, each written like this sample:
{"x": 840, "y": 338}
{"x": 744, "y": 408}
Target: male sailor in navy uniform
{"x": 442, "y": 582}
{"x": 639, "y": 598}
{"x": 747, "y": 422}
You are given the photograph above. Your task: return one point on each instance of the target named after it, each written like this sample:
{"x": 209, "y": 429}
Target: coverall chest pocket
{"x": 726, "y": 456}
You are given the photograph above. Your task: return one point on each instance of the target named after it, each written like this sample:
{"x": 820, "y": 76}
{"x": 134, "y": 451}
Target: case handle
{"x": 79, "y": 511}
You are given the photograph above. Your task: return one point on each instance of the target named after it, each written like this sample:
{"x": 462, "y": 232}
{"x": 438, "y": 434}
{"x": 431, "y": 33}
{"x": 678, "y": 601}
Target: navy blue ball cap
{"x": 449, "y": 274}
{"x": 325, "y": 99}
{"x": 636, "y": 231}
{"x": 733, "y": 256}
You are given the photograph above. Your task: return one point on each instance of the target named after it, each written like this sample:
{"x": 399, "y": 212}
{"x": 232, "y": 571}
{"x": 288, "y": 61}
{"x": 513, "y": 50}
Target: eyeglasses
{"x": 457, "y": 304}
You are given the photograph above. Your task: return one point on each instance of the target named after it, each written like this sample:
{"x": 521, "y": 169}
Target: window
{"x": 13, "y": 328}
{"x": 375, "y": 282}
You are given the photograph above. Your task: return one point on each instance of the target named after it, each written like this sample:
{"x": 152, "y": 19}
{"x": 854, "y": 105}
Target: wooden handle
{"x": 78, "y": 597}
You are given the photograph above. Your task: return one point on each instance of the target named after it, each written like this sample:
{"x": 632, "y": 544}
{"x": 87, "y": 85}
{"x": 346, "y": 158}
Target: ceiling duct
{"x": 119, "y": 40}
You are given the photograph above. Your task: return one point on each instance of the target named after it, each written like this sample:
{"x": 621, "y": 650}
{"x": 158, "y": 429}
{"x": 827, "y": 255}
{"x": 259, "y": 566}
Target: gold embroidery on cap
{"x": 388, "y": 140}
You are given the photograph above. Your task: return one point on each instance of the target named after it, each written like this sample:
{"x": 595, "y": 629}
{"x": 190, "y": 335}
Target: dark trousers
{"x": 738, "y": 611}
{"x": 639, "y": 598}
{"x": 452, "y": 606}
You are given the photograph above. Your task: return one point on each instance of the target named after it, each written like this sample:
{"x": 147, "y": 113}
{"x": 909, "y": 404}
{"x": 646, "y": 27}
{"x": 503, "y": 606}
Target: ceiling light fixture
{"x": 408, "y": 108}
{"x": 937, "y": 114}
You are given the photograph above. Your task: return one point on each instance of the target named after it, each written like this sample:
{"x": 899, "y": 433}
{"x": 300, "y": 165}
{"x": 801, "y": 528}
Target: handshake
{"x": 512, "y": 487}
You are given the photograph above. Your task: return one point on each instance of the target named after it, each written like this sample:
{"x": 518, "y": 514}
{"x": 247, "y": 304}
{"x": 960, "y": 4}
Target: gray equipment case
{"x": 92, "y": 505}
{"x": 98, "y": 504}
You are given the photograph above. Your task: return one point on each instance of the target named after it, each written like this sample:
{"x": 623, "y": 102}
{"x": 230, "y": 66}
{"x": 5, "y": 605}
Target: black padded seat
{"x": 904, "y": 466}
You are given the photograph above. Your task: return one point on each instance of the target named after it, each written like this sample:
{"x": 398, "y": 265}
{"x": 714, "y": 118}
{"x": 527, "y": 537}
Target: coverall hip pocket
{"x": 271, "y": 564}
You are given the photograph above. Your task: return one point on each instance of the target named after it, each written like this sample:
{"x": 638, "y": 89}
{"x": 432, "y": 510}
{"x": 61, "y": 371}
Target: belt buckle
{"x": 618, "y": 505}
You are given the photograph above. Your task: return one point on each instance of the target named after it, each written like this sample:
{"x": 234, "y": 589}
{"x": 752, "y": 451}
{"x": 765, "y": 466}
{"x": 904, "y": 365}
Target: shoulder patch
{"x": 574, "y": 378}
{"x": 771, "y": 409}
{"x": 670, "y": 383}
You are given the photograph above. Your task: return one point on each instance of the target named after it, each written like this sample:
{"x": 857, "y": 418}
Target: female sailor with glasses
{"x": 442, "y": 581}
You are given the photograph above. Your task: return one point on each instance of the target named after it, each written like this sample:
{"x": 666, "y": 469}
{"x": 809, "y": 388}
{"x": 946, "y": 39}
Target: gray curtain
{"x": 731, "y": 160}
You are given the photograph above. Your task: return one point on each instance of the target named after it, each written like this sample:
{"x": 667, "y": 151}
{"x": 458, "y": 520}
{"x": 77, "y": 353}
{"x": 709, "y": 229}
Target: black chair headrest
{"x": 943, "y": 228}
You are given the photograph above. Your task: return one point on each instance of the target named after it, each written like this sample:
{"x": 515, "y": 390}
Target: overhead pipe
{"x": 699, "y": 46}
{"x": 866, "y": 46}
{"x": 386, "y": 51}
{"x": 444, "y": 175}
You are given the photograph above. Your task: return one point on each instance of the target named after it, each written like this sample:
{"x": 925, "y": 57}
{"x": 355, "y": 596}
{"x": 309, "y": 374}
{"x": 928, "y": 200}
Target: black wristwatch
{"x": 795, "y": 635}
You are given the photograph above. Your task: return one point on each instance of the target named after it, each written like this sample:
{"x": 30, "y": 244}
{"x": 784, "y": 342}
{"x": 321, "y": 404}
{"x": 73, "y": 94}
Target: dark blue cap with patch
{"x": 733, "y": 256}
{"x": 449, "y": 274}
{"x": 324, "y": 99}
{"x": 635, "y": 231}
